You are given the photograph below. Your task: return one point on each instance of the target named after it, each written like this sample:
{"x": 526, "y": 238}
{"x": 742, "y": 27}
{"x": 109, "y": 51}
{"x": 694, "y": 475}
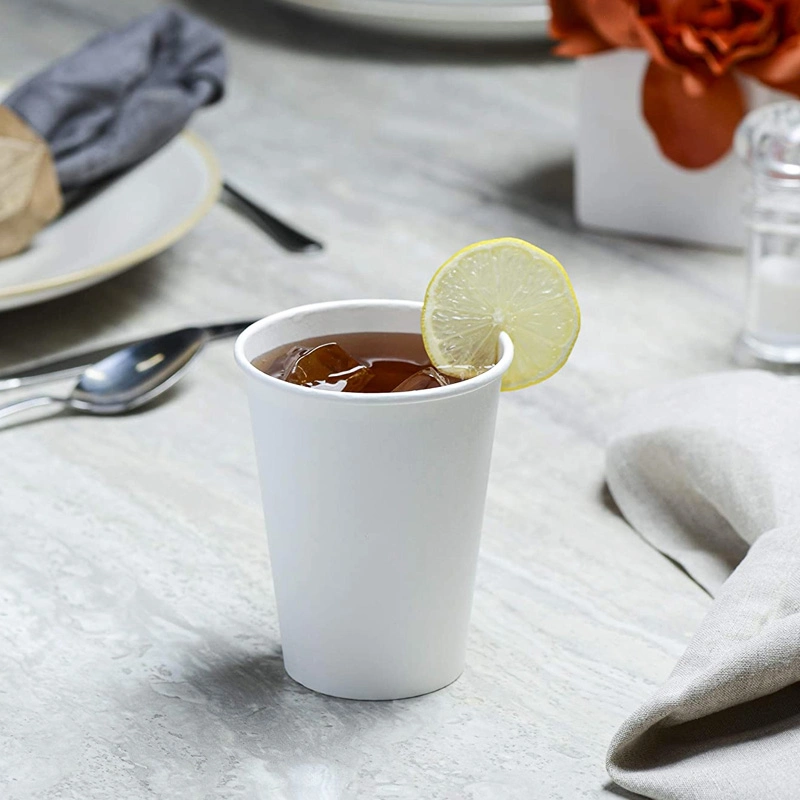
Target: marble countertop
{"x": 140, "y": 654}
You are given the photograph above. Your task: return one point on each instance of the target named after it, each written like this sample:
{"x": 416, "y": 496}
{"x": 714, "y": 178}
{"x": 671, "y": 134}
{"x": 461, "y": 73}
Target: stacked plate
{"x": 464, "y": 19}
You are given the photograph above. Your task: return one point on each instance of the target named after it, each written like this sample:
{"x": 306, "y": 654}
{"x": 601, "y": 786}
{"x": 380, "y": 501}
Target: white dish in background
{"x": 136, "y": 217}
{"x": 455, "y": 19}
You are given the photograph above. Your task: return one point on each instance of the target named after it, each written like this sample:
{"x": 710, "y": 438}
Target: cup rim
{"x": 373, "y": 398}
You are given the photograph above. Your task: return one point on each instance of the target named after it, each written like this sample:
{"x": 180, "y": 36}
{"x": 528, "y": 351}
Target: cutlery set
{"x": 117, "y": 378}
{"x": 114, "y": 379}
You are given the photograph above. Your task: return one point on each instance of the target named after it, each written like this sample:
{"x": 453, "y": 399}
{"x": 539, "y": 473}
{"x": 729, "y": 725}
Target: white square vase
{"x": 622, "y": 181}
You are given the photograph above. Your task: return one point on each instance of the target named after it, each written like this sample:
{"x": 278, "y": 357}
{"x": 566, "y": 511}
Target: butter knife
{"x": 60, "y": 367}
{"x": 287, "y": 237}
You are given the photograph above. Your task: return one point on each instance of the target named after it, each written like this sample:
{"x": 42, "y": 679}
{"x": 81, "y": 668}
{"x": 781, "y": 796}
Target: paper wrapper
{"x": 30, "y": 195}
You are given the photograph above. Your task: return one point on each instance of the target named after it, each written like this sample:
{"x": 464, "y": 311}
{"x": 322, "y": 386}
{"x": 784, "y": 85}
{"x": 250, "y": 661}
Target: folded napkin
{"x": 117, "y": 100}
{"x": 707, "y": 471}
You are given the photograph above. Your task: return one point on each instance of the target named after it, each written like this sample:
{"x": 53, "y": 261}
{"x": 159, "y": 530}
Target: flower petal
{"x": 780, "y": 69}
{"x": 581, "y": 43}
{"x": 570, "y": 23}
{"x": 615, "y": 21}
{"x": 694, "y": 132}
{"x": 567, "y": 17}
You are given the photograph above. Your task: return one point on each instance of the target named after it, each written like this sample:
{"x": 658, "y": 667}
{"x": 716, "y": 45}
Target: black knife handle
{"x": 286, "y": 236}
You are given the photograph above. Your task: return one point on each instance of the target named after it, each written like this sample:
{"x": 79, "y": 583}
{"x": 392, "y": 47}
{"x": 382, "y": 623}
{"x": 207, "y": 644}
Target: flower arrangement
{"x": 691, "y": 98}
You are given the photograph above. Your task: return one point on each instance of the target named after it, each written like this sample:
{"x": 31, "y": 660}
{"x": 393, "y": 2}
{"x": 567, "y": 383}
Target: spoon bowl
{"x": 128, "y": 378}
{"x": 137, "y": 374}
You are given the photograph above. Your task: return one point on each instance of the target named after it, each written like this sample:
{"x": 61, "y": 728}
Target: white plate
{"x": 467, "y": 19}
{"x": 139, "y": 215}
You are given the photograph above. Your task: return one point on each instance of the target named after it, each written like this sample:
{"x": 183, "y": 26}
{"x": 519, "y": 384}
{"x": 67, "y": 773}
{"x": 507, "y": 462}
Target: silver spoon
{"x": 60, "y": 367}
{"x": 128, "y": 378}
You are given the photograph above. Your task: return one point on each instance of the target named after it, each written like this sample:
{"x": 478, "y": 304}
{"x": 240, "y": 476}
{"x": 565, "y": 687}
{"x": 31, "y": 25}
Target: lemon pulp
{"x": 500, "y": 285}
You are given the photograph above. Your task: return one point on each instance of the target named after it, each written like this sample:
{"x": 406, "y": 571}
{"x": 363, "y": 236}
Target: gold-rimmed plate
{"x": 139, "y": 215}
{"x": 489, "y": 20}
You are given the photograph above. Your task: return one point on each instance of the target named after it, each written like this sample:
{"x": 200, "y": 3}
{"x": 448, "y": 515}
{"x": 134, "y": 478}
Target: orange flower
{"x": 690, "y": 97}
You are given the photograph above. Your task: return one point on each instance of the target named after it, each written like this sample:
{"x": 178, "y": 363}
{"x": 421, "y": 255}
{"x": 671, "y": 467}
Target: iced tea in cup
{"x": 374, "y": 463}
{"x": 373, "y": 504}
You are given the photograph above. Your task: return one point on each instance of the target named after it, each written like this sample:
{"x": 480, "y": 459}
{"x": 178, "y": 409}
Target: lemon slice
{"x": 500, "y": 285}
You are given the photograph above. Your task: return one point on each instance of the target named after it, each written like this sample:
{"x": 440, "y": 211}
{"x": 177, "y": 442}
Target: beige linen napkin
{"x": 703, "y": 469}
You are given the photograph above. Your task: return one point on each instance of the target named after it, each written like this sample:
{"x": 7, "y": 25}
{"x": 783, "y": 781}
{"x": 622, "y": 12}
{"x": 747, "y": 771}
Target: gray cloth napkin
{"x": 704, "y": 469}
{"x": 123, "y": 95}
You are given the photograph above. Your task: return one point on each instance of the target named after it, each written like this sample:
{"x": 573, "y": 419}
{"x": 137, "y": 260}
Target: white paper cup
{"x": 373, "y": 506}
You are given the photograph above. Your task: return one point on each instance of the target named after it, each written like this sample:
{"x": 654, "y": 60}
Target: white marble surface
{"x": 140, "y": 655}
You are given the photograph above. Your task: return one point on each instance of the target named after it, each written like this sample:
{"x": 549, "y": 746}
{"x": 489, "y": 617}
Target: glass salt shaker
{"x": 768, "y": 142}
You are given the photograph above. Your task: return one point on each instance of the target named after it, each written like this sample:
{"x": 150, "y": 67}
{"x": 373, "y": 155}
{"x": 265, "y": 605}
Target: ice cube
{"x": 426, "y": 378}
{"x": 282, "y": 366}
{"x": 327, "y": 366}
